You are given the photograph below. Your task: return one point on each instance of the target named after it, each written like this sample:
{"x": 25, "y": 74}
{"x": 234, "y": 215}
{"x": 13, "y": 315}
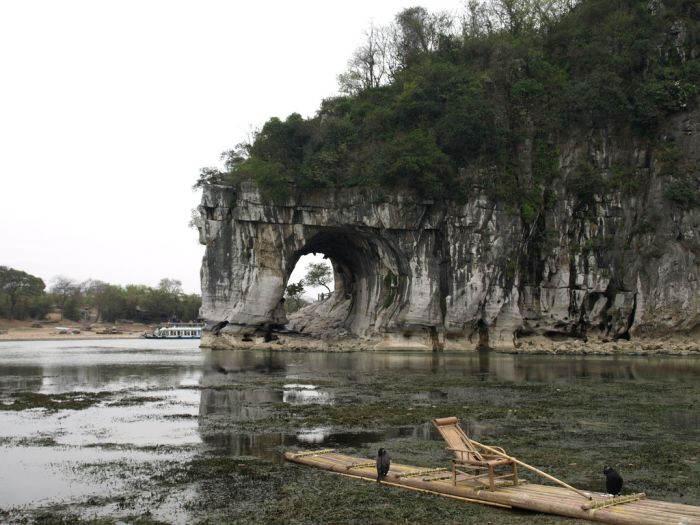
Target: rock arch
{"x": 366, "y": 267}
{"x": 386, "y": 264}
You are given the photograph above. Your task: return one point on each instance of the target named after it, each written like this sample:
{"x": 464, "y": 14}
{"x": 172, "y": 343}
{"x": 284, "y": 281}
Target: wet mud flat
{"x": 115, "y": 432}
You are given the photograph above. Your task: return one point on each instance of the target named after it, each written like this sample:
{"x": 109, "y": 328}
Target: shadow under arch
{"x": 370, "y": 281}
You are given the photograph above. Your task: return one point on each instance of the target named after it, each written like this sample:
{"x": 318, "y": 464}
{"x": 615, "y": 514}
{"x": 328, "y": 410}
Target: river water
{"x": 168, "y": 401}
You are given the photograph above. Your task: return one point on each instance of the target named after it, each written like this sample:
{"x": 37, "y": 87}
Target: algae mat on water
{"x": 186, "y": 443}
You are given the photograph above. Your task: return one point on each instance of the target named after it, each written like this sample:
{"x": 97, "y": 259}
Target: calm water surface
{"x": 167, "y": 401}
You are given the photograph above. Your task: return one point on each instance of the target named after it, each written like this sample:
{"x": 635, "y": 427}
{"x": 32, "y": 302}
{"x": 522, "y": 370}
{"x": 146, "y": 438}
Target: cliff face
{"x": 411, "y": 273}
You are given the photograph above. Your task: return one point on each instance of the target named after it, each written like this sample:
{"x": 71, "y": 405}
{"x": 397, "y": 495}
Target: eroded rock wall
{"x": 412, "y": 273}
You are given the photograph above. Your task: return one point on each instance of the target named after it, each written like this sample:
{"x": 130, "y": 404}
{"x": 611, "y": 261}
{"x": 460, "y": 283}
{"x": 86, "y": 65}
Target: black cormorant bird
{"x": 383, "y": 463}
{"x": 613, "y": 481}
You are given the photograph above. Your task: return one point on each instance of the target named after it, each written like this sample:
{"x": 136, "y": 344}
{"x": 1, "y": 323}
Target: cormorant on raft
{"x": 613, "y": 481}
{"x": 383, "y": 463}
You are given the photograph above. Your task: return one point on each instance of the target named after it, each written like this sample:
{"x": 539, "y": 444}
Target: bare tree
{"x": 64, "y": 288}
{"x": 415, "y": 32}
{"x": 476, "y": 21}
{"x": 171, "y": 286}
{"x": 513, "y": 16}
{"x": 418, "y": 32}
{"x": 196, "y": 219}
{"x": 370, "y": 65}
{"x": 233, "y": 158}
{"x": 550, "y": 11}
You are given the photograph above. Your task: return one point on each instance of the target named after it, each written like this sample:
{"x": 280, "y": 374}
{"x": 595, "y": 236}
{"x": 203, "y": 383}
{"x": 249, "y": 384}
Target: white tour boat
{"x": 177, "y": 331}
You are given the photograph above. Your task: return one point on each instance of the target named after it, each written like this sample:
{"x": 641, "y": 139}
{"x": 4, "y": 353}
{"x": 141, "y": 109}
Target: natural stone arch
{"x": 370, "y": 280}
{"x": 387, "y": 255}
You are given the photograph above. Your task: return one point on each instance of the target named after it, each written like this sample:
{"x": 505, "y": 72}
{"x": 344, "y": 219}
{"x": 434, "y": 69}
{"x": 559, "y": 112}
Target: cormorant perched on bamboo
{"x": 383, "y": 463}
{"x": 613, "y": 481}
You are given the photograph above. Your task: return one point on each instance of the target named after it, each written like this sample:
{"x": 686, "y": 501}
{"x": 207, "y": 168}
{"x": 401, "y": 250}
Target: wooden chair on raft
{"x": 477, "y": 461}
{"x": 473, "y": 460}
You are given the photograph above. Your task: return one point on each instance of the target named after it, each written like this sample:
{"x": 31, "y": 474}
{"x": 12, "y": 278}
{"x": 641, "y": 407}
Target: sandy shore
{"x": 24, "y": 331}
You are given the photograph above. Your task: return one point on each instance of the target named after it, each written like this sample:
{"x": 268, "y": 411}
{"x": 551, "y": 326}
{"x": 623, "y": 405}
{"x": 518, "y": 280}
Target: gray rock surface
{"x": 411, "y": 273}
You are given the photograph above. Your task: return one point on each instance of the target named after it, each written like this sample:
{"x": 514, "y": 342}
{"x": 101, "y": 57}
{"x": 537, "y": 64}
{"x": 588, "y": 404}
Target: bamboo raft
{"x": 633, "y": 509}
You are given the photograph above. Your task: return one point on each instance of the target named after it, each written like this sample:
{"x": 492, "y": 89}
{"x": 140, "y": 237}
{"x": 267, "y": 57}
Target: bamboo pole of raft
{"x": 533, "y": 469}
{"x": 427, "y": 491}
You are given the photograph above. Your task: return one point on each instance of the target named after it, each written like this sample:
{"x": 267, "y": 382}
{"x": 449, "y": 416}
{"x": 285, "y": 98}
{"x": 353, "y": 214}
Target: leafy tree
{"x": 21, "y": 294}
{"x": 72, "y": 307}
{"x": 188, "y": 308}
{"x": 159, "y": 305}
{"x": 294, "y": 291}
{"x": 318, "y": 274}
{"x": 416, "y": 157}
{"x": 134, "y": 297}
{"x": 5, "y": 306}
{"x": 109, "y": 300}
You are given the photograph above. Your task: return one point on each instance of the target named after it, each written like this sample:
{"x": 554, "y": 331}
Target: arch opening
{"x": 366, "y": 284}
{"x": 303, "y": 288}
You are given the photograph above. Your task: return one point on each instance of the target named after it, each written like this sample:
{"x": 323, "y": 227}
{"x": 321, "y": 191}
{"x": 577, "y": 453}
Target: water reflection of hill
{"x": 63, "y": 366}
{"x": 358, "y": 366}
{"x": 237, "y": 405}
{"x": 225, "y": 400}
{"x": 224, "y": 405}
{"x": 20, "y": 378}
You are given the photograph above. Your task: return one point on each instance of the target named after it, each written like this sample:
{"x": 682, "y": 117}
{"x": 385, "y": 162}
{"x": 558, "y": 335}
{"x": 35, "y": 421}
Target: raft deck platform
{"x": 633, "y": 509}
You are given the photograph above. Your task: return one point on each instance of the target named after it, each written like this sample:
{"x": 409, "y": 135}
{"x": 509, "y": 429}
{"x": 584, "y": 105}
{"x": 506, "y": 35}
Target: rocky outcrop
{"x": 412, "y": 273}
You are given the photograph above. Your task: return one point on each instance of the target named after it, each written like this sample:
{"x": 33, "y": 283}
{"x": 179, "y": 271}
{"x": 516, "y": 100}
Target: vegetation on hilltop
{"x": 23, "y": 296}
{"x": 441, "y": 105}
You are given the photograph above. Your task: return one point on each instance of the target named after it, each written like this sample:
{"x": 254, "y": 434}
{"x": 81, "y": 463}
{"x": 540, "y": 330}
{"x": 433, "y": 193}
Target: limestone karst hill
{"x": 539, "y": 177}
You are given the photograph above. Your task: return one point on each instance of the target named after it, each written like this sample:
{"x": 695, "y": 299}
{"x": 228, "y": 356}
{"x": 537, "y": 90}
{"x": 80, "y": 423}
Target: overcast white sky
{"x": 109, "y": 108}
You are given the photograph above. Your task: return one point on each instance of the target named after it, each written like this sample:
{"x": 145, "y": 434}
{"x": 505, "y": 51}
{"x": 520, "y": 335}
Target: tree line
{"x": 24, "y": 296}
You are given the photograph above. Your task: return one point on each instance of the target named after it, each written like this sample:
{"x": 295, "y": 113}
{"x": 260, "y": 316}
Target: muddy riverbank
{"x": 680, "y": 345}
{"x": 12, "y": 330}
{"x": 159, "y": 432}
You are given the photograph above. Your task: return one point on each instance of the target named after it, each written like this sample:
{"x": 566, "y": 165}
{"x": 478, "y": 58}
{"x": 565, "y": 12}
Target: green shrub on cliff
{"x": 683, "y": 193}
{"x": 439, "y": 106}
